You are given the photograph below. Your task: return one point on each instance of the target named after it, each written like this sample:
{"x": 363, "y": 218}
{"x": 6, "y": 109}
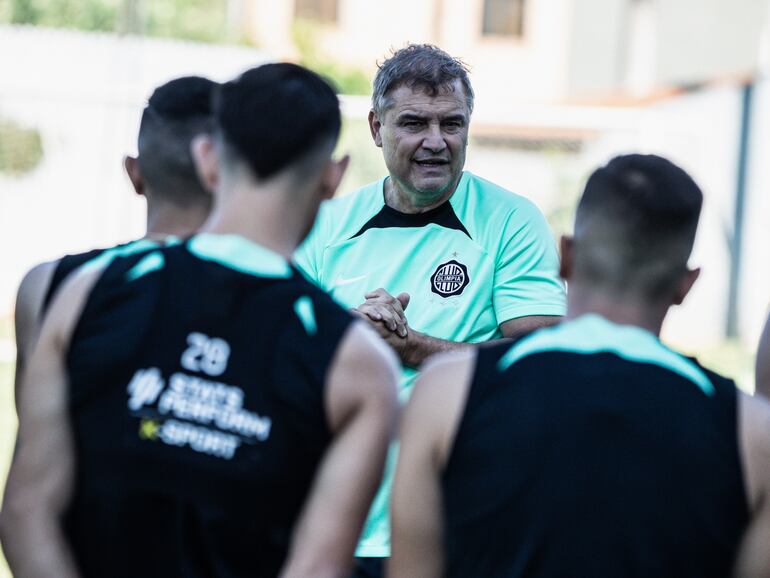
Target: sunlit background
{"x": 562, "y": 85}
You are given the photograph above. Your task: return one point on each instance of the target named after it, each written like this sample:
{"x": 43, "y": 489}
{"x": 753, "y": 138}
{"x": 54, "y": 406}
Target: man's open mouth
{"x": 432, "y": 162}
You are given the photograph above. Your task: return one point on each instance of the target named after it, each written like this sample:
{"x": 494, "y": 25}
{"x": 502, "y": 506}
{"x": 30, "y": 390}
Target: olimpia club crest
{"x": 451, "y": 278}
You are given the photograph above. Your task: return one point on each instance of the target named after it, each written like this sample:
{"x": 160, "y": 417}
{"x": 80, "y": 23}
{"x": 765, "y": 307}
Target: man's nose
{"x": 434, "y": 140}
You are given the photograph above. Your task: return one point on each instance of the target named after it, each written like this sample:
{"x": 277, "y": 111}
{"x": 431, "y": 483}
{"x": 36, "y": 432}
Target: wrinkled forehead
{"x": 449, "y": 99}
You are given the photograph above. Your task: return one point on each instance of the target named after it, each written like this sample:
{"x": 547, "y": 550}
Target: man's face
{"x": 423, "y": 140}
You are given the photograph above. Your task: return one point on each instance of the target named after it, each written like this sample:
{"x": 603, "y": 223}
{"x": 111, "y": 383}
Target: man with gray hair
{"x": 473, "y": 261}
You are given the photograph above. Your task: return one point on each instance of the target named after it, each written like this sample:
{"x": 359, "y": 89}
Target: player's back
{"x": 68, "y": 264}
{"x": 591, "y": 450}
{"x": 197, "y": 396}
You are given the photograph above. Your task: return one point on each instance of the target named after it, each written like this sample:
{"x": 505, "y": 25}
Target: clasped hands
{"x": 386, "y": 314}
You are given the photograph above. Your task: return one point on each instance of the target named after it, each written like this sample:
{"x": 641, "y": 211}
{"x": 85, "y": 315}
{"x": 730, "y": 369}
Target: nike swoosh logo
{"x": 340, "y": 281}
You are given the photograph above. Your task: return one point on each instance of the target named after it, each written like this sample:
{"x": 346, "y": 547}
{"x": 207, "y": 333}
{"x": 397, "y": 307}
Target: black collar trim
{"x": 388, "y": 217}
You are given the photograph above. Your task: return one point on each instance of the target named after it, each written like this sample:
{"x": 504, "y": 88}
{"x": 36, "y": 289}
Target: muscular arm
{"x": 754, "y": 435}
{"x": 763, "y": 362}
{"x": 27, "y": 315}
{"x": 426, "y": 437}
{"x": 40, "y": 479}
{"x": 361, "y": 407}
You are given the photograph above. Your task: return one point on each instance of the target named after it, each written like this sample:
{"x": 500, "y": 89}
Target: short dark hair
{"x": 176, "y": 112}
{"x": 422, "y": 66}
{"x": 636, "y": 224}
{"x": 276, "y": 114}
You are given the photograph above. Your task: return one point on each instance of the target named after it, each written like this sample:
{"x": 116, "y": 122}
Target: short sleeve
{"x": 309, "y": 255}
{"x": 527, "y": 278}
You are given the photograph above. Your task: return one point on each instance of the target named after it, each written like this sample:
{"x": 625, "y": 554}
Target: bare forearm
{"x": 35, "y": 547}
{"x": 419, "y": 347}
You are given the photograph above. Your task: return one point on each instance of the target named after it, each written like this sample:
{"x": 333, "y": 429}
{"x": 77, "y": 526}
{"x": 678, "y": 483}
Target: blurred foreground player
{"x": 763, "y": 362}
{"x": 163, "y": 172}
{"x": 590, "y": 449}
{"x": 201, "y": 409}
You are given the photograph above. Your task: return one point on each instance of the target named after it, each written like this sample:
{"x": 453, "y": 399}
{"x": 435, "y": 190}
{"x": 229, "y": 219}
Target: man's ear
{"x": 206, "y": 161}
{"x": 374, "y": 127}
{"x": 685, "y": 284}
{"x": 131, "y": 164}
{"x": 332, "y": 176}
{"x": 566, "y": 244}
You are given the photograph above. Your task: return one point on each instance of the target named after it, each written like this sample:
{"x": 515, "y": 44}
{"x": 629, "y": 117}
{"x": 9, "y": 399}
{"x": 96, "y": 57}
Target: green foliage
{"x": 21, "y": 149}
{"x": 561, "y": 217}
{"x": 201, "y": 20}
{"x": 82, "y": 14}
{"x": 347, "y": 80}
{"x": 366, "y": 163}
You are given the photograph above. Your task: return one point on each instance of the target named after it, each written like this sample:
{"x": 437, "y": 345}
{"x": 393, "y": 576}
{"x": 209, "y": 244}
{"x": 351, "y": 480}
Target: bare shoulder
{"x": 36, "y": 280}
{"x": 438, "y": 399}
{"x": 362, "y": 350}
{"x": 754, "y": 435}
{"x": 362, "y": 343}
{"x": 32, "y": 290}
{"x": 445, "y": 376}
{"x": 68, "y": 302}
{"x": 364, "y": 371}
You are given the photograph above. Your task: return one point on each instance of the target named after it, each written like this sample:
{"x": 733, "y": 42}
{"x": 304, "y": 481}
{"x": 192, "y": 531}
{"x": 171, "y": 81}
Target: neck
{"x": 624, "y": 311}
{"x": 397, "y": 197}
{"x": 164, "y": 219}
{"x": 264, "y": 215}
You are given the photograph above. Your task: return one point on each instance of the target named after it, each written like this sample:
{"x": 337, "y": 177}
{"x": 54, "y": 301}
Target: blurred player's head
{"x": 276, "y": 127}
{"x": 164, "y": 170}
{"x": 634, "y": 232}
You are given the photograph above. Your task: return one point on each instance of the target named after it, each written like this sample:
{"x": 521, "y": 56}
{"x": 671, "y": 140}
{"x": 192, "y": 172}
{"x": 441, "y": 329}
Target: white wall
{"x": 84, "y": 93}
{"x": 699, "y": 40}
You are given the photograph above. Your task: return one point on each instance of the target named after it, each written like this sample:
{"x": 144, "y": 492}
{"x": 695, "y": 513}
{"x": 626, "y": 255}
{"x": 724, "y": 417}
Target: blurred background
{"x": 561, "y": 85}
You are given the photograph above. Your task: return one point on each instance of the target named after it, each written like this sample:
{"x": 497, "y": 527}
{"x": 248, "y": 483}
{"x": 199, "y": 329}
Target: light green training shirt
{"x": 483, "y": 258}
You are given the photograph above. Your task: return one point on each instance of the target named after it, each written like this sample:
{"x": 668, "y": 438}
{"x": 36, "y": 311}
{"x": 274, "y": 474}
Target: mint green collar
{"x": 462, "y": 185}
{"x": 240, "y": 254}
{"x": 592, "y": 333}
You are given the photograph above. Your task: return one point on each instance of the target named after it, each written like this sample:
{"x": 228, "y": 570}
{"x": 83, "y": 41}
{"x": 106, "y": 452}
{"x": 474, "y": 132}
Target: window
{"x": 503, "y": 18}
{"x": 319, "y": 10}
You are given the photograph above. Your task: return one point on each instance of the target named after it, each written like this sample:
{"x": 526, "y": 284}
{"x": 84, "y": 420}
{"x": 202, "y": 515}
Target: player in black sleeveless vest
{"x": 590, "y": 449}
{"x": 223, "y": 426}
{"x": 163, "y": 173}
{"x": 223, "y": 417}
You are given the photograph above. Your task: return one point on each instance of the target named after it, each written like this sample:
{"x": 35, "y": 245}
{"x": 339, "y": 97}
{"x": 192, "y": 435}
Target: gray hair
{"x": 422, "y": 66}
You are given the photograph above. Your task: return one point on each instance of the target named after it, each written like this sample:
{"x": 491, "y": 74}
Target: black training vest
{"x": 590, "y": 465}
{"x": 64, "y": 267}
{"x": 197, "y": 402}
